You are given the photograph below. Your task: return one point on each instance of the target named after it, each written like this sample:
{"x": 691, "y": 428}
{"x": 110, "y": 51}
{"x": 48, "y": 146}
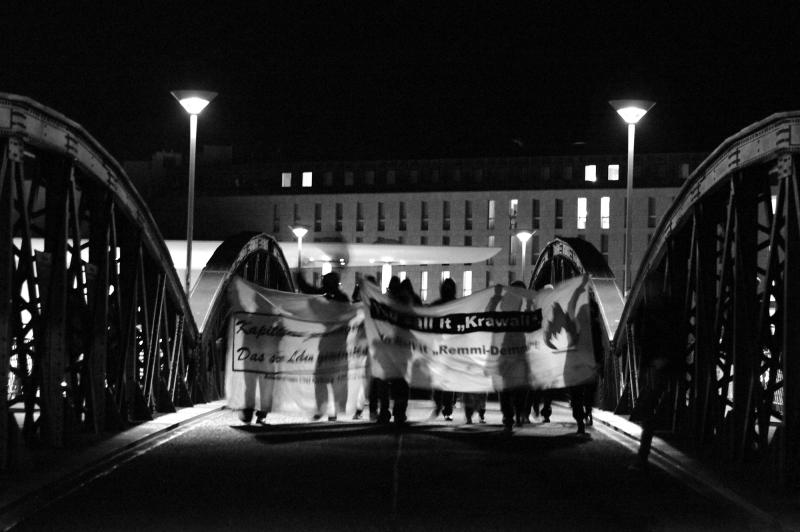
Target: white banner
{"x": 498, "y": 338}
{"x": 305, "y": 354}
{"x": 294, "y": 353}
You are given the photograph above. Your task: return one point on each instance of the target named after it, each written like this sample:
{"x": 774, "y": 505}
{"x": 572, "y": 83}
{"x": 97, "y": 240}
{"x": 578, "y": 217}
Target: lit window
{"x": 590, "y": 172}
{"x": 467, "y": 290}
{"x": 512, "y": 213}
{"x": 490, "y": 243}
{"x": 306, "y": 179}
{"x": 401, "y": 276}
{"x": 490, "y": 215}
{"x": 286, "y": 179}
{"x": 774, "y": 203}
{"x": 582, "y": 213}
{"x": 445, "y": 275}
{"x": 605, "y": 212}
{"x": 512, "y": 250}
{"x": 613, "y": 172}
{"x": 423, "y": 286}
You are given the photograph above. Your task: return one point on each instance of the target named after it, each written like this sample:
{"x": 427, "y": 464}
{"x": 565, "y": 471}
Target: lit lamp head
{"x": 299, "y": 231}
{"x": 194, "y": 101}
{"x": 524, "y": 236}
{"x": 631, "y": 111}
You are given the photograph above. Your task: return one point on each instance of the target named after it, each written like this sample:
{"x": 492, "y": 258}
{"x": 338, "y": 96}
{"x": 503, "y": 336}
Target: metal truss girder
{"x": 6, "y": 296}
{"x": 53, "y": 357}
{"x": 745, "y": 353}
{"x": 790, "y": 444}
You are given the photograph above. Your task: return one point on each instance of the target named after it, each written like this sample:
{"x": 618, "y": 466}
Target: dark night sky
{"x": 345, "y": 80}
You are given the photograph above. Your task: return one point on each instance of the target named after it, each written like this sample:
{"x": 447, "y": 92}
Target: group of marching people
{"x": 388, "y": 399}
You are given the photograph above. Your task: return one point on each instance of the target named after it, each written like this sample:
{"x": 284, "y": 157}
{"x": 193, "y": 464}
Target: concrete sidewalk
{"x": 50, "y": 474}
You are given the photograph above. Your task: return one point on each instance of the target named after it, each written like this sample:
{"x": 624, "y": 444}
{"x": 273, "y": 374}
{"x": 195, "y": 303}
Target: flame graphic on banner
{"x": 561, "y": 332}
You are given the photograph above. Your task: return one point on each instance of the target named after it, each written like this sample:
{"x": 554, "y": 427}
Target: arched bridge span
{"x": 95, "y": 329}
{"x": 563, "y": 258}
{"x": 716, "y": 299}
{"x": 256, "y": 257}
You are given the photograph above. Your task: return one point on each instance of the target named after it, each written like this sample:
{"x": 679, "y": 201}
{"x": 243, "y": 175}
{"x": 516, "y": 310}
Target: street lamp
{"x": 193, "y": 102}
{"x": 631, "y": 112}
{"x": 299, "y": 231}
{"x": 523, "y": 237}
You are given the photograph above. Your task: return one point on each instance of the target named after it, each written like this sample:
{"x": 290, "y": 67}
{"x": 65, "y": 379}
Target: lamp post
{"x": 193, "y": 102}
{"x": 299, "y": 231}
{"x": 631, "y": 112}
{"x": 523, "y": 237}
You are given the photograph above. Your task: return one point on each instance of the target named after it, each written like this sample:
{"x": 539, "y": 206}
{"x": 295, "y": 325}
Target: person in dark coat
{"x": 397, "y": 388}
{"x": 330, "y": 289}
{"x": 443, "y": 401}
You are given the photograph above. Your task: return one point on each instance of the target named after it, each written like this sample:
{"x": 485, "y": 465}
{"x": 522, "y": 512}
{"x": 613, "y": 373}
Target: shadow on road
{"x": 486, "y": 437}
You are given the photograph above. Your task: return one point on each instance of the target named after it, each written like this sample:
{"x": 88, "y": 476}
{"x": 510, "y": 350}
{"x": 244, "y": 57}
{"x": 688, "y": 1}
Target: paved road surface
{"x": 220, "y": 475}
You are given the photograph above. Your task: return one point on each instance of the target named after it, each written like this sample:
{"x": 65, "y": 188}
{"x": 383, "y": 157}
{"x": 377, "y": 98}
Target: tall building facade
{"x": 447, "y": 202}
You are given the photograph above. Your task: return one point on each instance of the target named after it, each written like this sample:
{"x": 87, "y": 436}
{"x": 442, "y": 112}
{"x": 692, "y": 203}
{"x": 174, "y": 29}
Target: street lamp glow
{"x": 299, "y": 231}
{"x": 631, "y": 112}
{"x": 523, "y": 237}
{"x": 193, "y": 102}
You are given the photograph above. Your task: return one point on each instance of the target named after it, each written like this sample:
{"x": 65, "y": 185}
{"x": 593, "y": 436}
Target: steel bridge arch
{"x": 255, "y": 257}
{"x": 94, "y": 327}
{"x": 96, "y": 332}
{"x": 716, "y": 297}
{"x": 564, "y": 258}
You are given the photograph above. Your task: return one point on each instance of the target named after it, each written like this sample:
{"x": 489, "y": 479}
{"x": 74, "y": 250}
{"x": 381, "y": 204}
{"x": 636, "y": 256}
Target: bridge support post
{"x": 745, "y": 276}
{"x": 6, "y": 299}
{"x": 790, "y": 444}
{"x": 100, "y": 207}
{"x": 54, "y": 279}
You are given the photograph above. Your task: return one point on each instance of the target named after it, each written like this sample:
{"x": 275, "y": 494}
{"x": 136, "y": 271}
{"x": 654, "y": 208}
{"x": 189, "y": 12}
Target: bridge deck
{"x": 58, "y": 474}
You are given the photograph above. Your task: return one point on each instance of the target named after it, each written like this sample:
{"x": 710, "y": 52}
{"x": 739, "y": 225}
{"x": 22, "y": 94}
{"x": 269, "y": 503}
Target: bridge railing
{"x": 716, "y": 301}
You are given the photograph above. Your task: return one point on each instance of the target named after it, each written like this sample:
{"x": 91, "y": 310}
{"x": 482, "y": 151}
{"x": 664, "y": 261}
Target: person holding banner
{"x": 332, "y": 292}
{"x": 443, "y": 400}
{"x": 513, "y": 370}
{"x": 398, "y": 387}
